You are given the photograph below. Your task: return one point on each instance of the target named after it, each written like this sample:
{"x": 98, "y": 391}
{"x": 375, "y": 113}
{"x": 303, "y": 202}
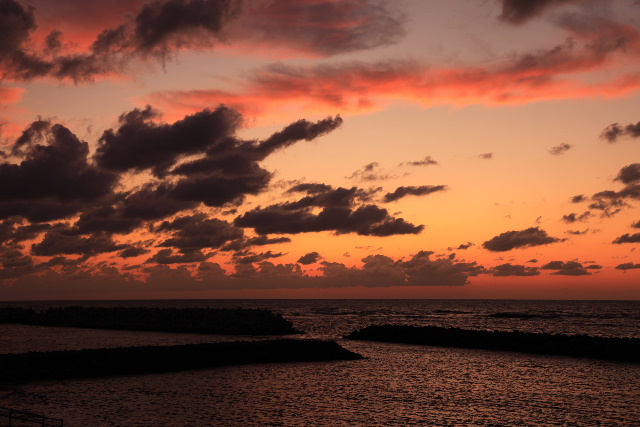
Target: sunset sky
{"x": 319, "y": 149}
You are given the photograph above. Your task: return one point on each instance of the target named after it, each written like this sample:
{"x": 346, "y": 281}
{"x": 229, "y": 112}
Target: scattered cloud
{"x": 310, "y": 258}
{"x": 628, "y": 266}
{"x": 627, "y": 238}
{"x": 508, "y": 269}
{"x": 427, "y": 161}
{"x": 509, "y": 240}
{"x": 518, "y": 12}
{"x": 422, "y": 190}
{"x": 615, "y": 131}
{"x": 574, "y": 217}
{"x": 560, "y": 149}
{"x": 569, "y": 268}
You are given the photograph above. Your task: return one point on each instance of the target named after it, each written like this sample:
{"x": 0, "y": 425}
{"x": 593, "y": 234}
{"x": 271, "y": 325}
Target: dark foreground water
{"x": 397, "y": 385}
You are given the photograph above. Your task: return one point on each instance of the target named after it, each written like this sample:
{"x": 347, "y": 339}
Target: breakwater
{"x": 156, "y": 359}
{"x": 614, "y": 349}
{"x": 236, "y": 321}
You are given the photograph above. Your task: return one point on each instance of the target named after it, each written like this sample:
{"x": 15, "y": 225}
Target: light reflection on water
{"x": 397, "y": 385}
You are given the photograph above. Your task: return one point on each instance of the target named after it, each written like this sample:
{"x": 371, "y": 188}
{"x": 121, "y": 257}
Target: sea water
{"x": 397, "y": 385}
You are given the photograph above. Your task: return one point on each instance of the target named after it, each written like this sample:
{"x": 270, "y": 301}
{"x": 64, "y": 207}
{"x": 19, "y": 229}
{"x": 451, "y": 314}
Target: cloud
{"x": 67, "y": 241}
{"x": 486, "y": 156}
{"x": 54, "y": 179}
{"x": 167, "y": 256}
{"x": 198, "y": 232}
{"x": 636, "y": 224}
{"x": 342, "y": 210}
{"x": 105, "y": 42}
{"x": 627, "y": 238}
{"x": 462, "y": 247}
{"x": 508, "y": 269}
{"x": 569, "y": 268}
{"x": 579, "y": 198}
{"x": 533, "y": 236}
{"x": 157, "y": 29}
{"x": 310, "y": 258}
{"x": 611, "y": 202}
{"x": 574, "y": 217}
{"x": 627, "y": 266}
{"x": 129, "y": 147}
{"x": 131, "y": 252}
{"x": 577, "y": 232}
{"x": 518, "y": 12}
{"x": 614, "y": 131}
{"x": 427, "y": 161}
{"x": 370, "y": 172}
{"x": 251, "y": 258}
{"x": 366, "y": 220}
{"x": 560, "y": 149}
{"x": 319, "y": 27}
{"x": 629, "y": 174}
{"x": 422, "y": 190}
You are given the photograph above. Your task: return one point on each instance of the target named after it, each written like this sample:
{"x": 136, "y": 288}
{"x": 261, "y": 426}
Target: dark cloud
{"x": 167, "y": 256}
{"x": 612, "y": 132}
{"x": 636, "y": 224}
{"x": 486, "y": 156}
{"x": 152, "y": 202}
{"x": 505, "y": 270}
{"x": 158, "y": 29}
{"x": 560, "y": 149}
{"x": 517, "y": 12}
{"x": 163, "y": 26}
{"x": 569, "y": 268}
{"x": 421, "y": 190}
{"x": 12, "y": 230}
{"x": 322, "y": 27}
{"x": 310, "y": 188}
{"x": 133, "y": 251}
{"x": 533, "y": 236}
{"x": 252, "y": 258}
{"x": 140, "y": 144}
{"x": 198, "y": 232}
{"x": 579, "y": 198}
{"x": 330, "y": 197}
{"x": 577, "y": 232}
{"x": 627, "y": 266}
{"x": 627, "y": 238}
{"x": 367, "y": 220}
{"x": 241, "y": 244}
{"x": 54, "y": 178}
{"x": 419, "y": 270}
{"x": 67, "y": 241}
{"x": 427, "y": 161}
{"x": 370, "y": 172}
{"x": 573, "y": 217}
{"x": 310, "y": 258}
{"x": 229, "y": 169}
{"x": 629, "y": 174}
{"x": 462, "y": 247}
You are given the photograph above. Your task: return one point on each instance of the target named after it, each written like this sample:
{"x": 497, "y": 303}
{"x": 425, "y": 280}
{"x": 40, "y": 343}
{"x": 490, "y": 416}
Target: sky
{"x": 319, "y": 149}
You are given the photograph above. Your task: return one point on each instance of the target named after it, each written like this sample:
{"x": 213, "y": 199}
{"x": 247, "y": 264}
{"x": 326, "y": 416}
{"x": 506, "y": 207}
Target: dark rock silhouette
{"x": 235, "y": 321}
{"x": 614, "y": 349}
{"x": 155, "y": 359}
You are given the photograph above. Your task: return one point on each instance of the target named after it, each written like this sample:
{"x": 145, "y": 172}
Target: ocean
{"x": 395, "y": 385}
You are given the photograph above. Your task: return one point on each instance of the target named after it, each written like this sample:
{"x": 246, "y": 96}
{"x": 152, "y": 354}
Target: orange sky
{"x": 319, "y": 149}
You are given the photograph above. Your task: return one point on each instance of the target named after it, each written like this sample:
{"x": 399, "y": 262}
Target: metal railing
{"x": 13, "y": 418}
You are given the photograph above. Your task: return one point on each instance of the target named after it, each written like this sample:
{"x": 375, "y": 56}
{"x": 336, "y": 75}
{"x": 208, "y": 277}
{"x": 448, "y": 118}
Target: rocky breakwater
{"x": 236, "y": 321}
{"x": 614, "y": 349}
{"x": 156, "y": 359}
